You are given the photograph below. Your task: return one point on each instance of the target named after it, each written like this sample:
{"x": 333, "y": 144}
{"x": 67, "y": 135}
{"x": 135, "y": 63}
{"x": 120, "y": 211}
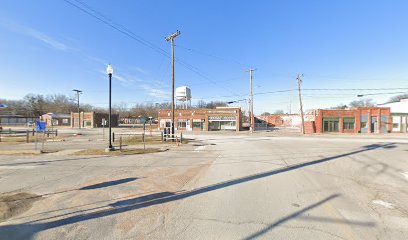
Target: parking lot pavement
{"x": 218, "y": 187}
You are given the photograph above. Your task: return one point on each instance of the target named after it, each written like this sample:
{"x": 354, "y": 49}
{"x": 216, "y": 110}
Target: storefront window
{"x": 198, "y": 124}
{"x": 348, "y": 123}
{"x": 331, "y": 124}
{"x": 182, "y": 123}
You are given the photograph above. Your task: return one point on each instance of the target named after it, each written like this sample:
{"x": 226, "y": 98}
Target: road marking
{"x": 405, "y": 174}
{"x": 198, "y": 149}
{"x": 385, "y": 204}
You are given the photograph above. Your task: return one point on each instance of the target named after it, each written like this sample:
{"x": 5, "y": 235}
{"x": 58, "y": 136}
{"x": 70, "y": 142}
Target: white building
{"x": 399, "y": 112}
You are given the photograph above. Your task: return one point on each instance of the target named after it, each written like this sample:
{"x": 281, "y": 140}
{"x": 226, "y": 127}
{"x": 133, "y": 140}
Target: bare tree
{"x": 201, "y": 104}
{"x": 362, "y": 103}
{"x": 340, "y": 106}
{"x": 397, "y": 98}
{"x": 279, "y": 112}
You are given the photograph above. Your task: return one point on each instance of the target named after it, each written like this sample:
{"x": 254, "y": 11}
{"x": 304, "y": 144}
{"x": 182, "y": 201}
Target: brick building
{"x": 93, "y": 119}
{"x": 56, "y": 119}
{"x": 288, "y": 120}
{"x": 359, "y": 120}
{"x": 221, "y": 118}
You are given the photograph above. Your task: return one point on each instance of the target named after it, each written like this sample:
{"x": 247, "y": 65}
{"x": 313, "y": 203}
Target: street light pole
{"x": 109, "y": 70}
{"x": 79, "y": 114}
{"x": 171, "y": 38}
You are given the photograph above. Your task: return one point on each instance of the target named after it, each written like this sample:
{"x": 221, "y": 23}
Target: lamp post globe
{"x": 109, "y": 71}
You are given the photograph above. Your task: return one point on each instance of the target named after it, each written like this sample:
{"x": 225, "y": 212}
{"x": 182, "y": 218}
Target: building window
{"x": 182, "y": 123}
{"x": 198, "y": 124}
{"x": 348, "y": 123}
{"x": 330, "y": 124}
{"x": 165, "y": 123}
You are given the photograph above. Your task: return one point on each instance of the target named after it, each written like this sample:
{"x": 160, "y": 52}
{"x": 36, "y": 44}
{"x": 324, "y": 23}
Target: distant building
{"x": 399, "y": 113}
{"x": 56, "y": 119}
{"x": 16, "y": 120}
{"x": 93, "y": 119}
{"x": 359, "y": 120}
{"x": 132, "y": 120}
{"x": 287, "y": 120}
{"x": 219, "y": 119}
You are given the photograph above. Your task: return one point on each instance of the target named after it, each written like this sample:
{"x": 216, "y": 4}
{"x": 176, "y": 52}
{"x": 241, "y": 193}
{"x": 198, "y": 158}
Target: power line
{"x": 212, "y": 55}
{"x": 99, "y": 16}
{"x": 92, "y": 12}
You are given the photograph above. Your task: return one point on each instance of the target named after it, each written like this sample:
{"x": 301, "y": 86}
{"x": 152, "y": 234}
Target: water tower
{"x": 183, "y": 94}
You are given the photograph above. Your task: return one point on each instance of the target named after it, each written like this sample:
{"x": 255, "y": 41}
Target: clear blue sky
{"x": 50, "y": 47}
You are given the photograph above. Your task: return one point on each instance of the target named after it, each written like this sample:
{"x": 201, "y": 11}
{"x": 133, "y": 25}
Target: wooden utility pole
{"x": 299, "y": 80}
{"x": 251, "y": 99}
{"x": 171, "y": 38}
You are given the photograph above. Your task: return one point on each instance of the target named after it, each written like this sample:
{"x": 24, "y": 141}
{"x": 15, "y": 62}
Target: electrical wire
{"x": 99, "y": 16}
{"x": 212, "y": 55}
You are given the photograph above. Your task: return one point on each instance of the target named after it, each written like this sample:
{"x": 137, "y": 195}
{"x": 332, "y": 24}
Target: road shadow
{"x": 108, "y": 184}
{"x": 27, "y": 230}
{"x": 89, "y": 187}
{"x": 298, "y": 214}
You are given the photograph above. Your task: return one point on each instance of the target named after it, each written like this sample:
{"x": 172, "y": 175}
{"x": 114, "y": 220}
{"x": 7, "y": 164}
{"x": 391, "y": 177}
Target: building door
{"x": 384, "y": 123}
{"x": 374, "y": 124}
{"x": 331, "y": 125}
{"x": 364, "y": 124}
{"x": 188, "y": 128}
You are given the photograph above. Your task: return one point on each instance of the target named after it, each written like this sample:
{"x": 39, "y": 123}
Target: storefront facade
{"x": 360, "y": 120}
{"x": 219, "y": 119}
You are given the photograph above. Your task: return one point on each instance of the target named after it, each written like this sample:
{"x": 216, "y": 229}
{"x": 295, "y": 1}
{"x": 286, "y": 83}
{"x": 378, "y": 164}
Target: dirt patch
{"x": 14, "y": 204}
{"x": 138, "y": 139}
{"x": 118, "y": 152}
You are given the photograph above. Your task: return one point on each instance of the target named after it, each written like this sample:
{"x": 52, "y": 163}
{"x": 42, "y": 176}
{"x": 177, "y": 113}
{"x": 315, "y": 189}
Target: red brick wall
{"x": 356, "y": 113}
{"x": 273, "y": 120}
{"x": 310, "y": 127}
{"x": 190, "y": 114}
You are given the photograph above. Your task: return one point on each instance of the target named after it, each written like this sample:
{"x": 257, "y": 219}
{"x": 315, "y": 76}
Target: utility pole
{"x": 299, "y": 80}
{"x": 171, "y": 38}
{"x": 251, "y": 99}
{"x": 79, "y": 115}
{"x": 290, "y": 105}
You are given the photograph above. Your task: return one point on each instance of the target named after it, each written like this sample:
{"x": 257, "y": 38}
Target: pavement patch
{"x": 199, "y": 148}
{"x": 384, "y": 204}
{"x": 405, "y": 174}
{"x": 14, "y": 204}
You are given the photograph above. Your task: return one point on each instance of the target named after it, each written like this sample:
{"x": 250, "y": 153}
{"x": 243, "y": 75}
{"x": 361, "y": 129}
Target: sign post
{"x": 40, "y": 127}
{"x": 103, "y": 128}
{"x": 150, "y": 119}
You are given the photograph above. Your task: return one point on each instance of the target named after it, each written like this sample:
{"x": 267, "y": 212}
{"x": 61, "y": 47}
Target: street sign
{"x": 41, "y": 126}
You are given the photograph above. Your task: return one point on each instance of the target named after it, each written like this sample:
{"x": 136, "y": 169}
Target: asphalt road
{"x": 218, "y": 187}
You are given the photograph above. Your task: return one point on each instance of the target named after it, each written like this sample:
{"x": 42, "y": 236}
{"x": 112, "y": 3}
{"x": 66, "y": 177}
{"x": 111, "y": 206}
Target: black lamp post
{"x": 109, "y": 70}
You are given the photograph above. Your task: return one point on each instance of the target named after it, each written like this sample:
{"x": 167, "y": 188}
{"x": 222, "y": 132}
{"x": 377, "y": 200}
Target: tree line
{"x": 34, "y": 105}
